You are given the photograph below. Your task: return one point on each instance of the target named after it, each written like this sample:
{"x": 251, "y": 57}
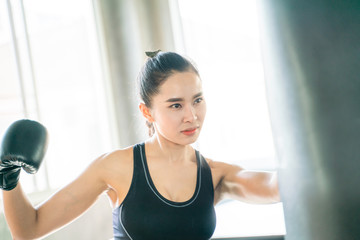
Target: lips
{"x": 189, "y": 131}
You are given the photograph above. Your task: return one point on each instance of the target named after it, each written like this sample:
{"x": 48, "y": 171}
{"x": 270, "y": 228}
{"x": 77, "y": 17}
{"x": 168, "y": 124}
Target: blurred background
{"x": 72, "y": 65}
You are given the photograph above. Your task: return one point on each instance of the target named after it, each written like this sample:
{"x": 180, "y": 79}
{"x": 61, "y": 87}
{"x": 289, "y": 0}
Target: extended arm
{"x": 259, "y": 187}
{"x": 23, "y": 147}
{"x": 28, "y": 222}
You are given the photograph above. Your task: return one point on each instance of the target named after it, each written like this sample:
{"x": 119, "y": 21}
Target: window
{"x": 51, "y": 72}
{"x": 222, "y": 38}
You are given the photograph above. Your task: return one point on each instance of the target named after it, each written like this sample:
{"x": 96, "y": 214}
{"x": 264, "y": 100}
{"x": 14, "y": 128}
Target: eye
{"x": 198, "y": 100}
{"x": 176, "y": 106}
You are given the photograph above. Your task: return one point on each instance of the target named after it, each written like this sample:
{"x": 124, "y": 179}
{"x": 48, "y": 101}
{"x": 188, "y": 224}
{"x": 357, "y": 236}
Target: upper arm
{"x": 245, "y": 185}
{"x": 72, "y": 200}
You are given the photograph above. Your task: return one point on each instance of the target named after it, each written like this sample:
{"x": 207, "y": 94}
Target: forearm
{"x": 262, "y": 187}
{"x": 253, "y": 187}
{"x": 20, "y": 215}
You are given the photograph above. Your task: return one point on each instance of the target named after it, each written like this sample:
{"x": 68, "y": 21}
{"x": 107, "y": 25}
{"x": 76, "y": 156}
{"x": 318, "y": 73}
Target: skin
{"x": 177, "y": 112}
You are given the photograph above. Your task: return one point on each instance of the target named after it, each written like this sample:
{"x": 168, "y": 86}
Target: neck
{"x": 171, "y": 151}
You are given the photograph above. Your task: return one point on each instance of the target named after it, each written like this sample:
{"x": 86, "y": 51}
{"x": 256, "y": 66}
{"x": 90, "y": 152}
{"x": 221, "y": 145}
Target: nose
{"x": 190, "y": 114}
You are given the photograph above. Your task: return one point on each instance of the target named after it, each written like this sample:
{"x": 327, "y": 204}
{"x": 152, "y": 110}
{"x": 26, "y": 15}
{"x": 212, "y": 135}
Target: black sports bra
{"x": 146, "y": 214}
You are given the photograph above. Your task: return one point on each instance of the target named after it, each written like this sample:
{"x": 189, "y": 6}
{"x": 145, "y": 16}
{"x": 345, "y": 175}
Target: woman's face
{"x": 179, "y": 109}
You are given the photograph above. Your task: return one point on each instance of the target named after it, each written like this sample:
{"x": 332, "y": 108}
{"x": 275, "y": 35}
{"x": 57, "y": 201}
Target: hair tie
{"x": 152, "y": 54}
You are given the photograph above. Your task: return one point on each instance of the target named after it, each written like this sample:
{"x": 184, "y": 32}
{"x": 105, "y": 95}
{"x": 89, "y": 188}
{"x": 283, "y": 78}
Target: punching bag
{"x": 311, "y": 52}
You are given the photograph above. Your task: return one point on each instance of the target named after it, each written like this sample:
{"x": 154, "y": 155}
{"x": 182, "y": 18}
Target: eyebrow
{"x": 181, "y": 99}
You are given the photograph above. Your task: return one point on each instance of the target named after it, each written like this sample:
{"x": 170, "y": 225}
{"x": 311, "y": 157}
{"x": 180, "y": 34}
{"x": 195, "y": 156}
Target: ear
{"x": 146, "y": 112}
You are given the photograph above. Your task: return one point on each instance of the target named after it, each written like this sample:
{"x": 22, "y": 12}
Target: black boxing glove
{"x": 23, "y": 146}
{"x": 9, "y": 177}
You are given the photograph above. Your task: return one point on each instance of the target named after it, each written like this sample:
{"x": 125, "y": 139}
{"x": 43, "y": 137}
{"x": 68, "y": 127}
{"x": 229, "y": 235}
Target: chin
{"x": 190, "y": 140}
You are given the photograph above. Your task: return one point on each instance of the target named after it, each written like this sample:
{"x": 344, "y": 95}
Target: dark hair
{"x": 154, "y": 73}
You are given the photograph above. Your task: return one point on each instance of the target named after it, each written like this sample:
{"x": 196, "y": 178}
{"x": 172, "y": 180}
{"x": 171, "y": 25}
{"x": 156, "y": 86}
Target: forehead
{"x": 181, "y": 84}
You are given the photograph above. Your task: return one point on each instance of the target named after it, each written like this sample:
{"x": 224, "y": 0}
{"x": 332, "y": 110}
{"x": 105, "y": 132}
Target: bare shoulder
{"x": 115, "y": 163}
{"x": 222, "y": 168}
{"x": 221, "y": 171}
{"x": 112, "y": 159}
{"x": 116, "y": 170}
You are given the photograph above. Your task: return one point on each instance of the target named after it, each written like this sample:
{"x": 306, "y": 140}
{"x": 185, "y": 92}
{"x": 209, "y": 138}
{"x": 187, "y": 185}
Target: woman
{"x": 160, "y": 189}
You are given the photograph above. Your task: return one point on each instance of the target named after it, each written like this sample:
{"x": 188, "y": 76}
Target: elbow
{"x": 24, "y": 235}
{"x": 275, "y": 198}
{"x": 275, "y": 188}
{"x": 21, "y": 237}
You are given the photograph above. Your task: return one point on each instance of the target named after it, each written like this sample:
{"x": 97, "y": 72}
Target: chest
{"x": 148, "y": 214}
{"x": 173, "y": 182}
